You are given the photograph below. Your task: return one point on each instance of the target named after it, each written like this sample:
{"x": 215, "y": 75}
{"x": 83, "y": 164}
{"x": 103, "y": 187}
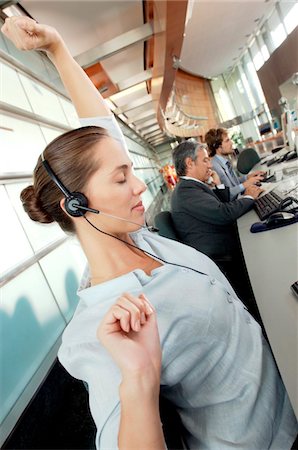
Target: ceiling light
{"x": 128, "y": 91}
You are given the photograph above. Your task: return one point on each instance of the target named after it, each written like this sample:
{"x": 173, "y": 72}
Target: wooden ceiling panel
{"x": 101, "y": 80}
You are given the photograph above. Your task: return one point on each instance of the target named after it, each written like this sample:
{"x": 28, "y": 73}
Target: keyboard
{"x": 267, "y": 205}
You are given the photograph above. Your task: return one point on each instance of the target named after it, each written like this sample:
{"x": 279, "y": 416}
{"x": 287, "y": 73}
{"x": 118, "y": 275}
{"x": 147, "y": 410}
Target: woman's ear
{"x": 62, "y": 205}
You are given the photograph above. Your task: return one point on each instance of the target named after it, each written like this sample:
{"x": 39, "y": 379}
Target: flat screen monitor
{"x": 264, "y": 128}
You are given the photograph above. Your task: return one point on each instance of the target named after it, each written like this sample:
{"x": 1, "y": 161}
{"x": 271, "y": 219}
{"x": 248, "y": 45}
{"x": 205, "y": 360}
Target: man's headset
{"x": 76, "y": 204}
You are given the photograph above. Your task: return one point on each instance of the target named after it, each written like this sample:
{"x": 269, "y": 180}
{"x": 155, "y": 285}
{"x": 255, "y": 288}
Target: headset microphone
{"x": 76, "y": 203}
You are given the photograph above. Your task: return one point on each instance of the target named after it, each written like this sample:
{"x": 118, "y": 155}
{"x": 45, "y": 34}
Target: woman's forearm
{"x": 84, "y": 95}
{"x": 140, "y": 425}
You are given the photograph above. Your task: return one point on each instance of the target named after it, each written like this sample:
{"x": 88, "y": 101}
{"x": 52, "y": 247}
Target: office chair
{"x": 164, "y": 222}
{"x": 247, "y": 159}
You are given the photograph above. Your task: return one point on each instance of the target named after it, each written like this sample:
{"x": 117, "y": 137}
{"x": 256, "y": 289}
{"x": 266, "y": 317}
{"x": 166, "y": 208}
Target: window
{"x": 23, "y": 142}
{"x": 263, "y": 47}
{"x": 11, "y": 89}
{"x": 256, "y": 55}
{"x": 44, "y": 102}
{"x": 277, "y": 30}
{"x": 289, "y": 12}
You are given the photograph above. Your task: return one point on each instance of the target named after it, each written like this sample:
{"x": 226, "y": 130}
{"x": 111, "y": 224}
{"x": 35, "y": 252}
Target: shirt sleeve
{"x": 236, "y": 190}
{"x": 109, "y": 123}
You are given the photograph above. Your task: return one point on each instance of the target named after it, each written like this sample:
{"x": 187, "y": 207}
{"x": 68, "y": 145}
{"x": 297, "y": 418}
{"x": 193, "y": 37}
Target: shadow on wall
{"x": 25, "y": 341}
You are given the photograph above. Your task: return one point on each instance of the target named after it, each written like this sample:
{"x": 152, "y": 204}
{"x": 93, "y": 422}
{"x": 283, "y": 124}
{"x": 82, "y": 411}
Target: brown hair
{"x": 70, "y": 157}
{"x": 214, "y": 138}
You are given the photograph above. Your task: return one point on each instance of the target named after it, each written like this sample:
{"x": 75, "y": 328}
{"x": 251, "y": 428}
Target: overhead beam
{"x": 158, "y": 141}
{"x": 151, "y": 134}
{"x": 148, "y": 125}
{"x": 116, "y": 45}
{"x": 134, "y": 104}
{"x": 134, "y": 80}
{"x": 151, "y": 129}
{"x": 142, "y": 117}
{"x": 157, "y": 136}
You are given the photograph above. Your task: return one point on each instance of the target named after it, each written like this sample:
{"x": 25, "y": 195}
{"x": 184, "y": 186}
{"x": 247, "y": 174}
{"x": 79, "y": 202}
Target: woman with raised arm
{"x": 216, "y": 367}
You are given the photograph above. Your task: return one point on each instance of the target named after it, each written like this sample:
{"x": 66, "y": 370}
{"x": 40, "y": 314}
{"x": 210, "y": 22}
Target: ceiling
{"x": 128, "y": 47}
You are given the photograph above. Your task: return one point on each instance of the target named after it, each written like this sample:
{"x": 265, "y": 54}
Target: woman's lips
{"x": 139, "y": 207}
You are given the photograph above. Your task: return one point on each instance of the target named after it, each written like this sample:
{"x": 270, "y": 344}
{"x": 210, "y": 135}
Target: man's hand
{"x": 252, "y": 180}
{"x": 253, "y": 191}
{"x": 215, "y": 177}
{"x": 257, "y": 173}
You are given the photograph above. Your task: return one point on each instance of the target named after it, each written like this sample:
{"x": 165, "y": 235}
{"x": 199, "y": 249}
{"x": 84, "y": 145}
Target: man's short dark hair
{"x": 187, "y": 149}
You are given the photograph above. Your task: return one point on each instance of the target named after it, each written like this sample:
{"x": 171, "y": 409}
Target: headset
{"x": 76, "y": 204}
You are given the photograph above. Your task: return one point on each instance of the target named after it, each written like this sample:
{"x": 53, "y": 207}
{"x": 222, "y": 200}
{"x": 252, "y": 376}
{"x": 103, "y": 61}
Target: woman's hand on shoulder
{"x": 129, "y": 332}
{"x": 26, "y": 34}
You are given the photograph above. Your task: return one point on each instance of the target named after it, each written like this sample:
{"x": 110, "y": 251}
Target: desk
{"x": 272, "y": 264}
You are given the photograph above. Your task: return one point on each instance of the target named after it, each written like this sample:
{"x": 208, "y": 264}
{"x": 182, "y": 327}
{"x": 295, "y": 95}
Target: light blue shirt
{"x": 234, "y": 183}
{"x": 216, "y": 366}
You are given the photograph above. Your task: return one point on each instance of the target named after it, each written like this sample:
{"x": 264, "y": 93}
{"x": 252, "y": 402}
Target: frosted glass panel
{"x": 32, "y": 60}
{"x": 53, "y": 78}
{"x": 30, "y": 323}
{"x": 14, "y": 245}
{"x": 70, "y": 113}
{"x": 63, "y": 269}
{"x": 13, "y": 93}
{"x": 2, "y": 41}
{"x": 39, "y": 235}
{"x": 44, "y": 102}
{"x": 19, "y": 147}
{"x": 50, "y": 133}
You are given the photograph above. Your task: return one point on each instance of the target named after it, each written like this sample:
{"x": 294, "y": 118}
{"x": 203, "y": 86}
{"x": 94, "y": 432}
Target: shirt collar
{"x": 193, "y": 179}
{"x": 221, "y": 159}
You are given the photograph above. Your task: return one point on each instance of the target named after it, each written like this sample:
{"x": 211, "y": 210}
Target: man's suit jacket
{"x": 204, "y": 221}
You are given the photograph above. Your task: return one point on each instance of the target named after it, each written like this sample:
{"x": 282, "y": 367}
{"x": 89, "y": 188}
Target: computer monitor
{"x": 288, "y": 129}
{"x": 265, "y": 128}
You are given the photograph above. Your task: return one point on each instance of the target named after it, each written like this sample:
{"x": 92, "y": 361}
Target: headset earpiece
{"x": 74, "y": 202}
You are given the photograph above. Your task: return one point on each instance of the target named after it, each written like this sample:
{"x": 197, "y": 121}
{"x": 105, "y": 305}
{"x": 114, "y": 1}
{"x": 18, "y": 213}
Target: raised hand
{"x": 129, "y": 332}
{"x": 27, "y": 34}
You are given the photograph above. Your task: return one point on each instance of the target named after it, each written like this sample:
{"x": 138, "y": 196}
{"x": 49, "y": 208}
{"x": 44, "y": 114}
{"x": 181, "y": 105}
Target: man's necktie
{"x": 232, "y": 174}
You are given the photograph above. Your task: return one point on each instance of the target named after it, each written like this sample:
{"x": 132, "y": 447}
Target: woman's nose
{"x": 139, "y": 186}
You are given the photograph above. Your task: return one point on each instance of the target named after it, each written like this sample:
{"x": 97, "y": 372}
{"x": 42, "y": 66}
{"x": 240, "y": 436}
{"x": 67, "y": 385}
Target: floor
{"x": 57, "y": 418}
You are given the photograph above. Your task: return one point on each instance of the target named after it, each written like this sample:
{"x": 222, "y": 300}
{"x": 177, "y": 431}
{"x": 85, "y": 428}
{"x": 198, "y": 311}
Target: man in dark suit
{"x": 204, "y": 216}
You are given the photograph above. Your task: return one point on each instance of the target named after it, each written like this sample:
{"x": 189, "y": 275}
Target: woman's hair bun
{"x": 33, "y": 207}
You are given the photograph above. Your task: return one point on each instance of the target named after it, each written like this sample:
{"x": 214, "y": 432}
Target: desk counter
{"x": 272, "y": 263}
